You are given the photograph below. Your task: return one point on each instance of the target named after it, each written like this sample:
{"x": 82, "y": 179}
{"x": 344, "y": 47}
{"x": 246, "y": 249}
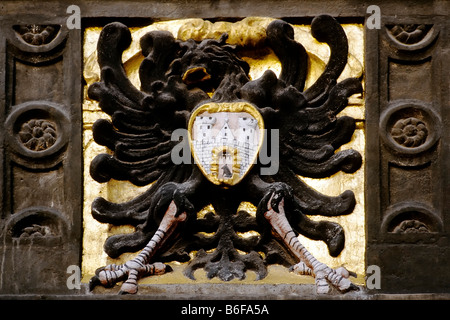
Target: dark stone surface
{"x": 407, "y": 147}
{"x": 41, "y": 153}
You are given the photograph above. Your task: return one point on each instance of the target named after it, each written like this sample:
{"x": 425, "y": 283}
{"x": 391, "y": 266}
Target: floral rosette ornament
{"x": 38, "y": 135}
{"x": 410, "y": 132}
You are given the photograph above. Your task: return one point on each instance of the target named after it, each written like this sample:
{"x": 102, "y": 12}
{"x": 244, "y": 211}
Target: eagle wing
{"x": 309, "y": 127}
{"x": 315, "y": 131}
{"x": 139, "y": 132}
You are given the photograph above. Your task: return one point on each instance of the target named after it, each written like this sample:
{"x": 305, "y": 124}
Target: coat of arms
{"x": 204, "y": 87}
{"x": 225, "y": 140}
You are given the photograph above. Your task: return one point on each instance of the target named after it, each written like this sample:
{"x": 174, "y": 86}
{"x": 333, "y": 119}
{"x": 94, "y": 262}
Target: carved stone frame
{"x": 406, "y": 186}
{"x": 41, "y": 198}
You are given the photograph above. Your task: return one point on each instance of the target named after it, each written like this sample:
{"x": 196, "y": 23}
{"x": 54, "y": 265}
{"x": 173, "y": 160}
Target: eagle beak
{"x": 196, "y": 75}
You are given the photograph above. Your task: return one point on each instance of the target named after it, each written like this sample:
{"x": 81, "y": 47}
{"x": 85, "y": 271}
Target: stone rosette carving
{"x": 410, "y": 126}
{"x": 37, "y": 35}
{"x": 38, "y": 134}
{"x": 409, "y": 33}
{"x": 411, "y": 219}
{"x": 411, "y": 226}
{"x": 38, "y": 224}
{"x": 411, "y": 37}
{"x": 410, "y": 132}
{"x": 35, "y": 231}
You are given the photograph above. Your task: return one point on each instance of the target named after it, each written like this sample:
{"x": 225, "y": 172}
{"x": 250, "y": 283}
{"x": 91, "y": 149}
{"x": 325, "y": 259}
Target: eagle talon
{"x": 308, "y": 265}
{"x": 95, "y": 281}
{"x": 279, "y": 191}
{"x": 301, "y": 268}
{"x": 129, "y": 272}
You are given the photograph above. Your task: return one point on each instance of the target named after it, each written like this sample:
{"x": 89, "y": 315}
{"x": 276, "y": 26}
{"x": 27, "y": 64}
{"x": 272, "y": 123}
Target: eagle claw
{"x": 278, "y": 192}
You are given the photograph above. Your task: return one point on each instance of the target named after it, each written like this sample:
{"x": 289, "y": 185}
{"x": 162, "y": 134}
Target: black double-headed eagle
{"x": 176, "y": 77}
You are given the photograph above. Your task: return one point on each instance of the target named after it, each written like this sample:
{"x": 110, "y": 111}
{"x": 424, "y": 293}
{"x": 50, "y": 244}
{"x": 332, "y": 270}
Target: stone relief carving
{"x": 409, "y": 132}
{"x": 411, "y": 129}
{"x": 411, "y": 226}
{"x": 38, "y": 134}
{"x": 411, "y": 37}
{"x": 39, "y": 225}
{"x": 409, "y": 33}
{"x": 411, "y": 219}
{"x": 41, "y": 162}
{"x": 176, "y": 77}
{"x": 37, "y": 35}
{"x": 410, "y": 126}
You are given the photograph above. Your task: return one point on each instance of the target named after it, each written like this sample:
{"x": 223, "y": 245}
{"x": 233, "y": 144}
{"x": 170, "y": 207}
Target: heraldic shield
{"x": 225, "y": 139}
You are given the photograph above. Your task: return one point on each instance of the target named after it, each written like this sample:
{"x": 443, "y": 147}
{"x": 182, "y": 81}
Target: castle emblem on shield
{"x": 225, "y": 139}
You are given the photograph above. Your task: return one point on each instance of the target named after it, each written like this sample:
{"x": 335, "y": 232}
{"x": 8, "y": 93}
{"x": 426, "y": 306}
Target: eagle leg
{"x": 140, "y": 266}
{"x": 308, "y": 264}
